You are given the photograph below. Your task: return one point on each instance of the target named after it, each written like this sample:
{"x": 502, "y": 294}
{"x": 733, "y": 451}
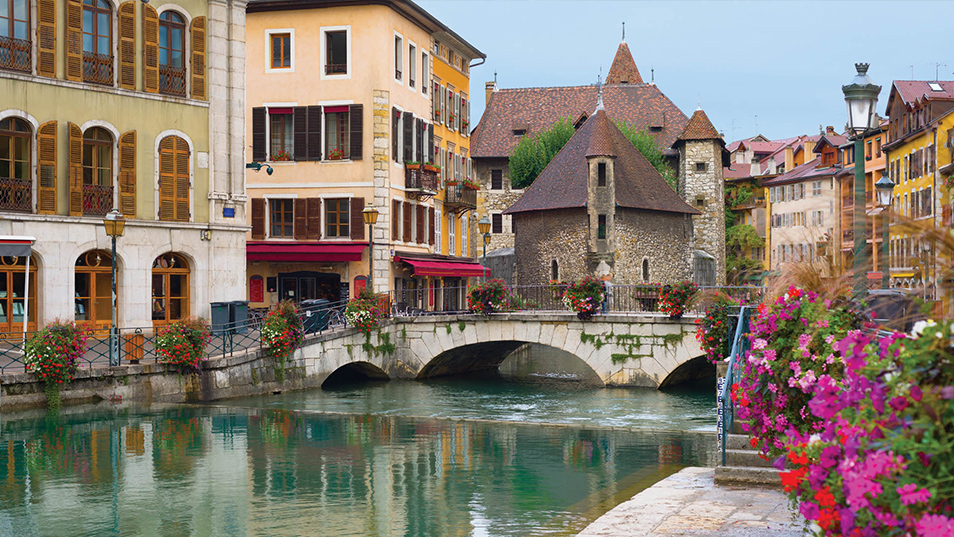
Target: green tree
{"x": 646, "y": 144}
{"x": 533, "y": 153}
{"x": 739, "y": 237}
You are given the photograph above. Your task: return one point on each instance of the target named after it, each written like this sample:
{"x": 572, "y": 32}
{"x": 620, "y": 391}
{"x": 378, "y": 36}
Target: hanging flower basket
{"x": 53, "y": 355}
{"x": 673, "y": 299}
{"x": 366, "y": 311}
{"x": 584, "y": 297}
{"x": 182, "y": 344}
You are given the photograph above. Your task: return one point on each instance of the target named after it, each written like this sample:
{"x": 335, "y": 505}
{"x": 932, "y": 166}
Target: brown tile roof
{"x": 623, "y": 70}
{"x": 601, "y": 139}
{"x": 640, "y": 104}
{"x": 912, "y": 91}
{"x": 810, "y": 170}
{"x": 699, "y": 128}
{"x": 563, "y": 183}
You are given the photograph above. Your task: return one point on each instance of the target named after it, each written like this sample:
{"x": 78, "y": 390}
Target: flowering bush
{"x": 584, "y": 297}
{"x": 714, "y": 330}
{"x": 182, "y": 343}
{"x": 335, "y": 154}
{"x": 53, "y": 355}
{"x": 488, "y": 297}
{"x": 470, "y": 183}
{"x": 673, "y": 298}
{"x": 282, "y": 333}
{"x": 366, "y": 311}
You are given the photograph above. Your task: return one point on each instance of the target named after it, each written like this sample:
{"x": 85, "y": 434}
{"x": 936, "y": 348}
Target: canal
{"x": 511, "y": 455}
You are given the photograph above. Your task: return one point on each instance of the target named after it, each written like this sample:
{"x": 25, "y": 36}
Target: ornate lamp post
{"x": 861, "y": 96}
{"x": 115, "y": 224}
{"x": 370, "y": 215}
{"x": 885, "y": 190}
{"x": 484, "y": 227}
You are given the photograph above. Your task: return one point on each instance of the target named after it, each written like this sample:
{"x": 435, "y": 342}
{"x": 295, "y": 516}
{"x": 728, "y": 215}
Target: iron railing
{"x": 740, "y": 346}
{"x": 97, "y": 199}
{"x": 420, "y": 178}
{"x": 336, "y": 68}
{"x": 460, "y": 197}
{"x": 172, "y": 80}
{"x": 16, "y": 54}
{"x": 98, "y": 68}
{"x": 16, "y": 194}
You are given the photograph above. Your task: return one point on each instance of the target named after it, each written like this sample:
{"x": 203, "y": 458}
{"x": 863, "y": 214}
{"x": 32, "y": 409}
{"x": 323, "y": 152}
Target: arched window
{"x": 12, "y": 291}
{"x": 97, "y": 171}
{"x": 97, "y": 42}
{"x": 174, "y": 179}
{"x": 172, "y": 73}
{"x": 170, "y": 289}
{"x": 16, "y": 187}
{"x": 554, "y": 270}
{"x": 15, "y": 44}
{"x": 93, "y": 293}
{"x": 645, "y": 270}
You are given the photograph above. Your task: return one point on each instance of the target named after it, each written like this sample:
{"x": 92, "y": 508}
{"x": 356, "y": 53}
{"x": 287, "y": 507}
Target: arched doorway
{"x": 93, "y": 293}
{"x": 12, "y": 279}
{"x": 170, "y": 289}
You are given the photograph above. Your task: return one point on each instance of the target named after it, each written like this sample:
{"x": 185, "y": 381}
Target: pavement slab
{"x": 690, "y": 503}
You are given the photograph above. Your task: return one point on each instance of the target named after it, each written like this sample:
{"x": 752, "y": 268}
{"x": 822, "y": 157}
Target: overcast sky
{"x": 769, "y": 67}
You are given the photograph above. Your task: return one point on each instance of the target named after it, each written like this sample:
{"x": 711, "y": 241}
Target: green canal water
{"x": 451, "y": 458}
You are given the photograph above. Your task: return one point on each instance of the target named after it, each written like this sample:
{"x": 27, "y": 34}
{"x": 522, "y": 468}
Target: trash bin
{"x": 316, "y": 314}
{"x": 238, "y": 315}
{"x": 220, "y": 318}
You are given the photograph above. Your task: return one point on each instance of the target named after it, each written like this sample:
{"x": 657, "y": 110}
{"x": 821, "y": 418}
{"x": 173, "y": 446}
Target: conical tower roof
{"x": 699, "y": 128}
{"x": 624, "y": 69}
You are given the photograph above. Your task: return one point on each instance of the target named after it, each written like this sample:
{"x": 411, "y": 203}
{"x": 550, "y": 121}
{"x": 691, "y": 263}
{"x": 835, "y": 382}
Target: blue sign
{"x": 228, "y": 212}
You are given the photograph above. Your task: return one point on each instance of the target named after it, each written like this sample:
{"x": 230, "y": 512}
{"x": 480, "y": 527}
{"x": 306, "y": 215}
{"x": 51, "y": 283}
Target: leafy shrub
{"x": 488, "y": 297}
{"x": 282, "y": 333}
{"x": 53, "y": 355}
{"x": 366, "y": 311}
{"x": 584, "y": 297}
{"x": 714, "y": 330}
{"x": 674, "y": 298}
{"x": 182, "y": 343}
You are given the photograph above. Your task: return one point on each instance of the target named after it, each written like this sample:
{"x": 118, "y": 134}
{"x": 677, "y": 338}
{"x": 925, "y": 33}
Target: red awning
{"x": 304, "y": 251}
{"x": 459, "y": 269}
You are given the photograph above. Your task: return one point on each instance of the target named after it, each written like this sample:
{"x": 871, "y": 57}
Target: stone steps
{"x": 745, "y": 458}
{"x": 743, "y": 466}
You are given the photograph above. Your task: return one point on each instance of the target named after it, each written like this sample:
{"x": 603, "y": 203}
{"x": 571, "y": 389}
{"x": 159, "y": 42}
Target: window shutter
{"x": 301, "y": 135}
{"x": 198, "y": 58}
{"x": 183, "y": 207}
{"x": 395, "y": 220}
{"x": 301, "y": 219}
{"x": 457, "y": 111}
{"x": 431, "y": 156}
{"x": 167, "y": 178}
{"x": 463, "y": 116}
{"x": 46, "y": 38}
{"x": 443, "y": 120}
{"x": 258, "y": 134}
{"x": 258, "y": 218}
{"x": 357, "y": 219}
{"x": 150, "y": 49}
{"x": 436, "y": 101}
{"x": 76, "y": 169}
{"x": 408, "y": 137}
{"x": 407, "y": 221}
{"x": 419, "y": 139}
{"x": 314, "y": 219}
{"x": 46, "y": 168}
{"x": 420, "y": 223}
{"x": 395, "y": 121}
{"x": 127, "y": 174}
{"x": 127, "y": 45}
{"x": 431, "y": 234}
{"x": 314, "y": 133}
{"x": 357, "y": 130}
{"x": 74, "y": 42}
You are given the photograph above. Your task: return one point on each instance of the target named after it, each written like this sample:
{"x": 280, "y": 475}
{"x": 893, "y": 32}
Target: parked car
{"x": 893, "y": 308}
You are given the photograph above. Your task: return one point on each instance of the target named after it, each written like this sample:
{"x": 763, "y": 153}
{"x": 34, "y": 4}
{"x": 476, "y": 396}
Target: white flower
{"x": 919, "y": 327}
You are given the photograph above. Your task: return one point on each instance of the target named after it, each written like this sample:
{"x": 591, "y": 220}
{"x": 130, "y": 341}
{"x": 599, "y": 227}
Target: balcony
{"x": 420, "y": 182}
{"x": 460, "y": 199}
{"x": 16, "y": 195}
{"x": 97, "y": 199}
{"x": 98, "y": 68}
{"x": 15, "y": 54}
{"x": 172, "y": 80}
{"x": 752, "y": 203}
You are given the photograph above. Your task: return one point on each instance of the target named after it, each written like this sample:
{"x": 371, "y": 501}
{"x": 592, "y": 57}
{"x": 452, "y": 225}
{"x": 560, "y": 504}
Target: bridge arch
{"x": 354, "y": 372}
{"x": 488, "y": 356}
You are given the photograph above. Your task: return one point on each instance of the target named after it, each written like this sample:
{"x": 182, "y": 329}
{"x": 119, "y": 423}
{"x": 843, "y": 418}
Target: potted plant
{"x": 471, "y": 184}
{"x": 412, "y": 165}
{"x": 366, "y": 311}
{"x": 584, "y": 297}
{"x": 429, "y": 166}
{"x": 335, "y": 154}
{"x": 674, "y": 298}
{"x": 182, "y": 344}
{"x": 464, "y": 123}
{"x": 281, "y": 156}
{"x": 53, "y": 355}
{"x": 282, "y": 333}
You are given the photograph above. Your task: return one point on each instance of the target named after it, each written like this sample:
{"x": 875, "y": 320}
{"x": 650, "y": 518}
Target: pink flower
{"x": 910, "y": 494}
{"x": 935, "y": 526}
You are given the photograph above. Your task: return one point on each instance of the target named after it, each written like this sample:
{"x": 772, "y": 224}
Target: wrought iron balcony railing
{"x": 98, "y": 68}
{"x": 460, "y": 199}
{"x": 15, "y": 54}
{"x": 97, "y": 199}
{"x": 16, "y": 195}
{"x": 172, "y": 80}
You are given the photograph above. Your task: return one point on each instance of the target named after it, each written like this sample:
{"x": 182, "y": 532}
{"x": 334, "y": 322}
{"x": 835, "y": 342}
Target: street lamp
{"x": 484, "y": 227}
{"x": 885, "y": 190}
{"x": 861, "y": 97}
{"x": 115, "y": 224}
{"x": 370, "y": 215}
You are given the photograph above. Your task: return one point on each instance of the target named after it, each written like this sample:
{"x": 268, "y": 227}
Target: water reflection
{"x": 231, "y": 471}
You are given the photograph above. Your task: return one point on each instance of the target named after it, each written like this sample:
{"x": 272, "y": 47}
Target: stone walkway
{"x": 689, "y": 503}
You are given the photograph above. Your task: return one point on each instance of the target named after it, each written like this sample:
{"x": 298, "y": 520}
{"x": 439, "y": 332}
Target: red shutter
{"x": 357, "y": 219}
{"x": 395, "y": 220}
{"x": 258, "y": 218}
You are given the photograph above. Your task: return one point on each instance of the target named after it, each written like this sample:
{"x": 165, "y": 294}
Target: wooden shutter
{"x": 419, "y": 140}
{"x": 258, "y": 134}
{"x": 76, "y": 169}
{"x": 357, "y": 131}
{"x": 464, "y": 131}
{"x": 127, "y": 46}
{"x": 408, "y": 137}
{"x": 357, "y": 219}
{"x": 198, "y": 58}
{"x": 407, "y": 221}
{"x": 183, "y": 207}
{"x": 314, "y": 219}
{"x": 46, "y": 38}
{"x": 395, "y": 220}
{"x": 258, "y": 218}
{"x": 300, "y": 122}
{"x": 150, "y": 49}
{"x": 301, "y": 219}
{"x": 420, "y": 223}
{"x": 174, "y": 181}
{"x": 431, "y": 232}
{"x": 127, "y": 174}
{"x": 431, "y": 152}
{"x": 46, "y": 168}
{"x": 74, "y": 40}
{"x": 314, "y": 133}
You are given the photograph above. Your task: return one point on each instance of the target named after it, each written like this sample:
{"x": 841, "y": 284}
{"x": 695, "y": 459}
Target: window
{"x": 281, "y": 51}
{"x": 16, "y": 185}
{"x": 425, "y": 68}
{"x": 437, "y": 231}
{"x": 878, "y": 147}
{"x": 496, "y": 221}
{"x": 816, "y": 188}
{"x": 554, "y": 271}
{"x": 601, "y": 227}
{"x": 496, "y": 179}
{"x": 336, "y": 52}
{"x": 12, "y": 279}
{"x": 281, "y": 218}
{"x": 601, "y": 174}
{"x": 337, "y": 218}
{"x": 15, "y": 46}
{"x": 337, "y": 131}
{"x": 93, "y": 289}
{"x": 645, "y": 270}
{"x": 170, "y": 289}
{"x": 398, "y": 57}
{"x": 172, "y": 53}
{"x": 174, "y": 179}
{"x": 451, "y": 235}
{"x": 701, "y": 166}
{"x": 282, "y": 134}
{"x": 412, "y": 64}
{"x": 97, "y": 171}
{"x": 97, "y": 42}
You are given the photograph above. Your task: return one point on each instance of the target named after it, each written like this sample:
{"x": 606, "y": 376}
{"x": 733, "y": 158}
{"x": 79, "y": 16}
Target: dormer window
{"x": 655, "y": 128}
{"x": 519, "y": 132}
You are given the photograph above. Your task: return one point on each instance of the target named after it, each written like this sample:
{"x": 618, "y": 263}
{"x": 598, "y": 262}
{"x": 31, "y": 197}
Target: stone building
{"x": 599, "y": 200}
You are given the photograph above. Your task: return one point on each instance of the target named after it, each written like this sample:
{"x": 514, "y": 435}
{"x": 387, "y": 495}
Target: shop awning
{"x": 11, "y": 246}
{"x": 459, "y": 269}
{"x": 291, "y": 252}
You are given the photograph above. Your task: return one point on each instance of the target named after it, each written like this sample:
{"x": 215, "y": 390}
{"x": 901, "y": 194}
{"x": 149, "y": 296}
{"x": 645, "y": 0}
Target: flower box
{"x": 412, "y": 165}
{"x": 432, "y": 168}
{"x": 335, "y": 154}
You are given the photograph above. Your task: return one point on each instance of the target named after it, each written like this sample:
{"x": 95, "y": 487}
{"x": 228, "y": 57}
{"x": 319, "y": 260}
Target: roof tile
{"x": 623, "y": 70}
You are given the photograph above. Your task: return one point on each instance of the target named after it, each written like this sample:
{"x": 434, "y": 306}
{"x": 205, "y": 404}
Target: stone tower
{"x": 601, "y": 191}
{"x": 701, "y": 184}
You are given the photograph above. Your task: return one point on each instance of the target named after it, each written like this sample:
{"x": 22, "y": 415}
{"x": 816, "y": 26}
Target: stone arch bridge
{"x": 623, "y": 350}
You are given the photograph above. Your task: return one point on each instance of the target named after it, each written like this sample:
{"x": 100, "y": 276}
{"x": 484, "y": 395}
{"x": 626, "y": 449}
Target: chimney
{"x": 771, "y": 167}
{"x": 489, "y": 89}
{"x": 829, "y": 130}
{"x": 755, "y": 169}
{"x": 789, "y": 158}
